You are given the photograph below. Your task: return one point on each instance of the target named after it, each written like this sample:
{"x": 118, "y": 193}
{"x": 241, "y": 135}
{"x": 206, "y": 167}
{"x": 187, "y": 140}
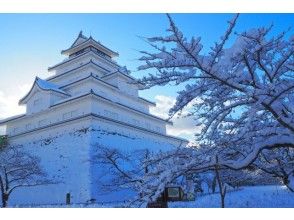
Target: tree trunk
{"x": 213, "y": 185}
{"x": 222, "y": 188}
{"x": 288, "y": 182}
{"x": 4, "y": 200}
{"x": 290, "y": 188}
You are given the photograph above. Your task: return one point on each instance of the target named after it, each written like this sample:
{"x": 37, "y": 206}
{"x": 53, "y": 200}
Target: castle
{"x": 89, "y": 100}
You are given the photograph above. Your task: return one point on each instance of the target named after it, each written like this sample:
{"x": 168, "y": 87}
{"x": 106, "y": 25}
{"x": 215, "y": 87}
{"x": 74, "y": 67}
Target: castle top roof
{"x": 83, "y": 42}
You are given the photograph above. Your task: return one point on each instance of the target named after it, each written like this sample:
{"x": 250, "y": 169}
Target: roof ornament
{"x": 81, "y": 35}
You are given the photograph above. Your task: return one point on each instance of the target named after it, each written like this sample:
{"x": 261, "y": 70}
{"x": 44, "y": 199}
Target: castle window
{"x": 66, "y": 115}
{"x": 37, "y": 102}
{"x": 15, "y": 130}
{"x": 42, "y": 122}
{"x": 74, "y": 113}
{"x": 110, "y": 114}
{"x": 70, "y": 114}
{"x": 136, "y": 122}
{"x": 80, "y": 52}
{"x": 147, "y": 125}
{"x": 28, "y": 126}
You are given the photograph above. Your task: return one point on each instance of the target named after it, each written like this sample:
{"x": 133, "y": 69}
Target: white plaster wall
{"x": 123, "y": 85}
{"x": 40, "y": 100}
{"x": 80, "y": 107}
{"x": 101, "y": 107}
{"x": 107, "y": 92}
{"x": 56, "y": 97}
{"x": 49, "y": 116}
{"x": 127, "y": 87}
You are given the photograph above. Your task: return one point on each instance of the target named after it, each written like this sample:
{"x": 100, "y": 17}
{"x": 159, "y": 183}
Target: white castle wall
{"x": 47, "y": 117}
{"x": 66, "y": 154}
{"x": 103, "y": 107}
{"x": 80, "y": 107}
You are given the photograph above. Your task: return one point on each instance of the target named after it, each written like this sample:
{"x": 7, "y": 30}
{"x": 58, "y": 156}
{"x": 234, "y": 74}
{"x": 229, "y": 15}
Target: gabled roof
{"x": 82, "y": 42}
{"x": 43, "y": 85}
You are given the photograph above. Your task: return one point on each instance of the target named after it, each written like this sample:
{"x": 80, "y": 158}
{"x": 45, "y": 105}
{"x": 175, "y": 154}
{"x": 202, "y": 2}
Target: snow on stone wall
{"x": 66, "y": 158}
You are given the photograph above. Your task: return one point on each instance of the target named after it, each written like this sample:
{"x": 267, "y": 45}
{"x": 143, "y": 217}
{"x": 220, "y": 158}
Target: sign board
{"x": 174, "y": 193}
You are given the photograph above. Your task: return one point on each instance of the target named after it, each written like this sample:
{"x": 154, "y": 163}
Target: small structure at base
{"x": 170, "y": 194}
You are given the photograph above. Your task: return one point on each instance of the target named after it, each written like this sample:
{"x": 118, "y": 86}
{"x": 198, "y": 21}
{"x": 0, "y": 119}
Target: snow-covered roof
{"x": 148, "y": 101}
{"x": 82, "y": 42}
{"x": 121, "y": 72}
{"x": 43, "y": 85}
{"x": 3, "y": 121}
{"x": 63, "y": 101}
{"x": 111, "y": 62}
{"x": 105, "y": 83}
{"x": 91, "y": 62}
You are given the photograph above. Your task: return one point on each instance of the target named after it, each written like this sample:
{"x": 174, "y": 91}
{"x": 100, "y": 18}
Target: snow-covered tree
{"x": 245, "y": 91}
{"x": 123, "y": 169}
{"x": 278, "y": 163}
{"x": 18, "y": 169}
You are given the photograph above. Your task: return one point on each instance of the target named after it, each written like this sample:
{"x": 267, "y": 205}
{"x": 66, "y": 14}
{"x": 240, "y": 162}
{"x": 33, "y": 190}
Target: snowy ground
{"x": 247, "y": 197}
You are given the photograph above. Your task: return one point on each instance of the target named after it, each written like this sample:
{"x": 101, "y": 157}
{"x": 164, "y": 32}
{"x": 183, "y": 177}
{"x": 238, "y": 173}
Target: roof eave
{"x": 4, "y": 121}
{"x": 149, "y": 102}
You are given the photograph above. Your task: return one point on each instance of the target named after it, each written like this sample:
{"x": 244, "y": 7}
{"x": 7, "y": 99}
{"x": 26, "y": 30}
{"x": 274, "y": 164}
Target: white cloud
{"x": 182, "y": 126}
{"x": 9, "y": 101}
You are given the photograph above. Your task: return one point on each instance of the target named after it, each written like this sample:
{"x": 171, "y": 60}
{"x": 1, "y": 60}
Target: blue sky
{"x": 30, "y": 43}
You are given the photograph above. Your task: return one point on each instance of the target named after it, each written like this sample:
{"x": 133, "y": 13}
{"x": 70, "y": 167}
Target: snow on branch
{"x": 246, "y": 90}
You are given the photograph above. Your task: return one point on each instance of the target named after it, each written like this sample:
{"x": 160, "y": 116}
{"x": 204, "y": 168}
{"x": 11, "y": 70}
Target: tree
{"x": 245, "y": 94}
{"x": 278, "y": 163}
{"x": 124, "y": 169}
{"x": 18, "y": 169}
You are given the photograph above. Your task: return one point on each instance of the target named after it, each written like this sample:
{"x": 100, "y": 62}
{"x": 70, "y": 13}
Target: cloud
{"x": 182, "y": 126}
{"x": 9, "y": 101}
